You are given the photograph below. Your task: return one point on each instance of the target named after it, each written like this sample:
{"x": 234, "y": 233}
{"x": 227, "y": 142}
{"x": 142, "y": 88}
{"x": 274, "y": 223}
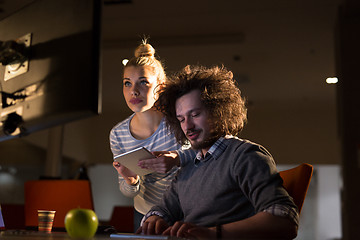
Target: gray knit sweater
{"x": 235, "y": 182}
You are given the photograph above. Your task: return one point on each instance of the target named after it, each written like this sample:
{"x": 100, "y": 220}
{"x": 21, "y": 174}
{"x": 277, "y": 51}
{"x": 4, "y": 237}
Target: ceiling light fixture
{"x": 332, "y": 80}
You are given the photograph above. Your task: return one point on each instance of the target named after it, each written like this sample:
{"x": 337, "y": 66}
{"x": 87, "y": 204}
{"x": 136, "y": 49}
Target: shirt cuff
{"x": 284, "y": 211}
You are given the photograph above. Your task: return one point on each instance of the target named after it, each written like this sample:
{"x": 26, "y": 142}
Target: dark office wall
{"x": 348, "y": 52}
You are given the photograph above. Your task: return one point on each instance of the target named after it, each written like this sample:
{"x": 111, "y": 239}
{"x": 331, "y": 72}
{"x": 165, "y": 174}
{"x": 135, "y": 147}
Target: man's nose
{"x": 189, "y": 124}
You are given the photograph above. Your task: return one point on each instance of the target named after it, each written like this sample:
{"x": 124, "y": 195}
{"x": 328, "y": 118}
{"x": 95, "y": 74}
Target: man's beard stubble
{"x": 207, "y": 143}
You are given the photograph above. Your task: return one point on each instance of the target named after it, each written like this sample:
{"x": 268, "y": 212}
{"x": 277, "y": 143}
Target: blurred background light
{"x": 332, "y": 80}
{"x": 125, "y": 61}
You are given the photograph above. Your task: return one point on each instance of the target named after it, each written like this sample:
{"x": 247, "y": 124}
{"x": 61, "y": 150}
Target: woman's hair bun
{"x": 144, "y": 50}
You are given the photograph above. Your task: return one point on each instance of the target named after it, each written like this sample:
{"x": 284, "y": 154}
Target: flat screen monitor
{"x": 56, "y": 78}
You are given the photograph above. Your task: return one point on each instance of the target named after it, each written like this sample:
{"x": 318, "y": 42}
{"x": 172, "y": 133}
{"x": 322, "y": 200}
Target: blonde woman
{"x": 145, "y": 127}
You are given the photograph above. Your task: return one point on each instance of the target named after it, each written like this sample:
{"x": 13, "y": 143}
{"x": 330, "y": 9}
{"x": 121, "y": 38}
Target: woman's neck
{"x": 144, "y": 124}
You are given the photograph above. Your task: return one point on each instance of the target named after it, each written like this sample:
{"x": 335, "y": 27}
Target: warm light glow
{"x": 125, "y": 61}
{"x": 332, "y": 80}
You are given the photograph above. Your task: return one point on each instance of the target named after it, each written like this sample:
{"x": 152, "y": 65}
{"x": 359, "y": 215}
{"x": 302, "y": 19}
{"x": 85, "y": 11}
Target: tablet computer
{"x": 130, "y": 160}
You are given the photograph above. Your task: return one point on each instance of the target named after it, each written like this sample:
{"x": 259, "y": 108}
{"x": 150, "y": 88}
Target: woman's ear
{"x": 160, "y": 85}
{"x": 158, "y": 89}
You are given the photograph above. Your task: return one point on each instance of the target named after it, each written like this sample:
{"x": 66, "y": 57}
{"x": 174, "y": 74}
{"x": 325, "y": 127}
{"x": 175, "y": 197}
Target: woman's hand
{"x": 164, "y": 161}
{"x": 130, "y": 177}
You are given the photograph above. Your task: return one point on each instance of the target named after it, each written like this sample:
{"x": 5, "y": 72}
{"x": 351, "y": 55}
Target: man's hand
{"x": 130, "y": 177}
{"x": 191, "y": 231}
{"x": 154, "y": 225}
{"x": 164, "y": 161}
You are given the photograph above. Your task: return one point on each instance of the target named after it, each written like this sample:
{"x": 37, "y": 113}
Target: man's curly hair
{"x": 219, "y": 94}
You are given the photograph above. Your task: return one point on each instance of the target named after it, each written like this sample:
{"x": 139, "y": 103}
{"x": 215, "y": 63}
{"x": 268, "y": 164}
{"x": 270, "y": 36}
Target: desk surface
{"x": 35, "y": 235}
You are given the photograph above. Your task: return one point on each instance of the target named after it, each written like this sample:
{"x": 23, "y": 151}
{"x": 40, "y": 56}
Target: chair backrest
{"x": 296, "y": 182}
{"x": 122, "y": 219}
{"x": 13, "y": 216}
{"x": 58, "y": 195}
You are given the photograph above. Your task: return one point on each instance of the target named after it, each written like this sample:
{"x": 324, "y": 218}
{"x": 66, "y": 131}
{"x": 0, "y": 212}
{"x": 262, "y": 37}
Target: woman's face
{"x": 138, "y": 88}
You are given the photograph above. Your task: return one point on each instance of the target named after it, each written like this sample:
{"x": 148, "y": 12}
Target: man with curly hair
{"x": 232, "y": 188}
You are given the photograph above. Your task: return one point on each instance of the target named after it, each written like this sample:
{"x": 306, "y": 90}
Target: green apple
{"x": 81, "y": 223}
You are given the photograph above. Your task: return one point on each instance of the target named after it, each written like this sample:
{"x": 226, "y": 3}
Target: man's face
{"x": 194, "y": 121}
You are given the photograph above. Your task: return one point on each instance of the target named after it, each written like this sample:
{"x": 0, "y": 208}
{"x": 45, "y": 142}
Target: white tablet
{"x": 130, "y": 160}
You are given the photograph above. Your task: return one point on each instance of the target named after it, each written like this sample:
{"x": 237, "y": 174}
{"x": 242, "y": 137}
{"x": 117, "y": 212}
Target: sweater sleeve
{"x": 259, "y": 179}
{"x": 169, "y": 208}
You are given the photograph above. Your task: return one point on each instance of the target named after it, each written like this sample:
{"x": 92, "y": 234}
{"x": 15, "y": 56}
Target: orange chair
{"x": 296, "y": 182}
{"x": 58, "y": 195}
